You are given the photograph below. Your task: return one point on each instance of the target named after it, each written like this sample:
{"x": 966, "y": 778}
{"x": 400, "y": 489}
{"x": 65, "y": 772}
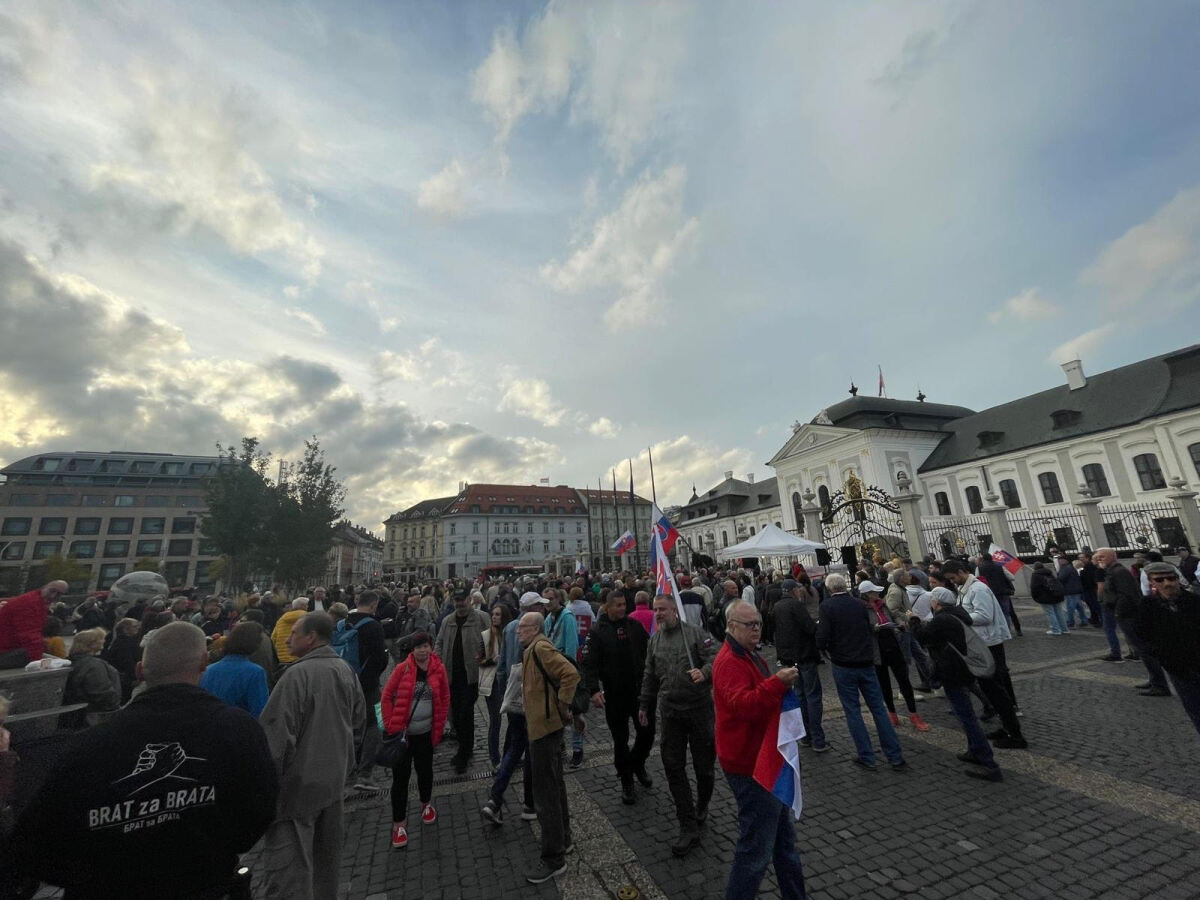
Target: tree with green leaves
{"x": 238, "y": 503}
{"x": 65, "y": 568}
{"x": 302, "y": 512}
{"x": 146, "y": 564}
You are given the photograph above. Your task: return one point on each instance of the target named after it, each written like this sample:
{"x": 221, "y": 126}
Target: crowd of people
{"x": 207, "y": 725}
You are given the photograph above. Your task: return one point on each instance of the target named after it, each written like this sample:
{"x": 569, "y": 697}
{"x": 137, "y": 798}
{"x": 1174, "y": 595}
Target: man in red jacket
{"x": 747, "y": 697}
{"x": 21, "y": 621}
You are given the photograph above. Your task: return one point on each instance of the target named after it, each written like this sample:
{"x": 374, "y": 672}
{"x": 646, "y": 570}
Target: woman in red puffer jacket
{"x": 416, "y": 700}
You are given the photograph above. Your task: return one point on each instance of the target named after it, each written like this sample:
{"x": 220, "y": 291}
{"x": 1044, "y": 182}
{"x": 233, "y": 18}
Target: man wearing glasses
{"x": 747, "y": 697}
{"x": 1170, "y": 626}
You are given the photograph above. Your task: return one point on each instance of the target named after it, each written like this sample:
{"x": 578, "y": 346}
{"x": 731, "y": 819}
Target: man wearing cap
{"x": 1169, "y": 624}
{"x": 22, "y": 619}
{"x": 460, "y": 647}
{"x": 987, "y": 618}
{"x": 844, "y": 632}
{"x": 796, "y": 645}
{"x": 945, "y": 637}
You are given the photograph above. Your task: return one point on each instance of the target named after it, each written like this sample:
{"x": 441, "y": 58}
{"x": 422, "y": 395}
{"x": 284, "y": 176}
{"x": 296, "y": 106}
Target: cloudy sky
{"x": 501, "y": 242}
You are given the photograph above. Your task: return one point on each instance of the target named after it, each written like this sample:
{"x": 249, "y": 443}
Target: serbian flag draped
{"x": 1006, "y": 559}
{"x": 624, "y": 543}
{"x": 662, "y": 533}
{"x": 778, "y": 765}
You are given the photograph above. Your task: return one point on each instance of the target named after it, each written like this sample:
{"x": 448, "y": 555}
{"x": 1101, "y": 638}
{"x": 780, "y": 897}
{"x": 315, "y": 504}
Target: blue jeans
{"x": 1075, "y": 602}
{"x": 1056, "y": 616}
{"x": 915, "y": 653}
{"x": 850, "y": 681}
{"x": 1187, "y": 688}
{"x": 577, "y": 732}
{"x": 977, "y": 742}
{"x": 765, "y": 833}
{"x": 516, "y": 746}
{"x": 811, "y": 705}
{"x": 1110, "y": 632}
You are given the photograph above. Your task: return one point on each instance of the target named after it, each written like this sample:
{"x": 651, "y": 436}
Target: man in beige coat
{"x": 313, "y": 722}
{"x": 548, "y": 685}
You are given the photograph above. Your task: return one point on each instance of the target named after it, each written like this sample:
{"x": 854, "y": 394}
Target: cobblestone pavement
{"x": 1104, "y": 804}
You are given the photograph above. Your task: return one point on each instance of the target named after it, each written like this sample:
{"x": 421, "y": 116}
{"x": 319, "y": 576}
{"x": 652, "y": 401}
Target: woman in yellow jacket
{"x": 283, "y": 628}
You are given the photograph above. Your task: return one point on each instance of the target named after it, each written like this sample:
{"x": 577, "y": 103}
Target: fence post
{"x": 1189, "y": 511}
{"x": 1090, "y": 507}
{"x": 1002, "y": 536}
{"x": 910, "y": 516}
{"x": 812, "y": 518}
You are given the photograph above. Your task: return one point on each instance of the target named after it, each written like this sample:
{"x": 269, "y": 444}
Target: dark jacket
{"x": 94, "y": 682}
{"x": 941, "y": 633}
{"x": 158, "y": 801}
{"x": 1122, "y": 593}
{"x": 845, "y": 632}
{"x": 666, "y": 677}
{"x": 123, "y": 654}
{"x": 993, "y": 573}
{"x": 372, "y": 653}
{"x": 795, "y": 633}
{"x": 1090, "y": 576}
{"x": 1188, "y": 564}
{"x": 1069, "y": 578}
{"x": 615, "y": 658}
{"x": 1171, "y": 630}
{"x": 1044, "y": 587}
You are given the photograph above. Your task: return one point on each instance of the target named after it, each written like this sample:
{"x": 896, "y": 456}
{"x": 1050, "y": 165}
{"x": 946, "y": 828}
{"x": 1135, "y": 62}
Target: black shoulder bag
{"x": 393, "y": 745}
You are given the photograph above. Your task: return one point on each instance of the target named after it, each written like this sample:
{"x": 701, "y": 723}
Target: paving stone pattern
{"x": 1105, "y": 804}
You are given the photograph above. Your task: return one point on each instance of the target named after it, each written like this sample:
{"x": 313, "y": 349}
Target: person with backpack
{"x": 358, "y": 639}
{"x": 1047, "y": 591}
{"x": 948, "y": 637}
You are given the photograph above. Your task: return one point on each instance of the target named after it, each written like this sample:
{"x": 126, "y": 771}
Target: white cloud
{"x": 1154, "y": 265}
{"x": 442, "y": 194}
{"x": 302, "y": 315}
{"x": 604, "y": 427}
{"x": 614, "y": 64}
{"x": 530, "y": 397}
{"x": 1027, "y": 306}
{"x": 1079, "y": 347}
{"x": 386, "y": 317}
{"x": 678, "y": 464}
{"x": 633, "y": 249}
{"x": 430, "y": 365}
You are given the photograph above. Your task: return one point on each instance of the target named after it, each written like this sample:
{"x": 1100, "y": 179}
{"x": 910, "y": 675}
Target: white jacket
{"x": 987, "y": 617}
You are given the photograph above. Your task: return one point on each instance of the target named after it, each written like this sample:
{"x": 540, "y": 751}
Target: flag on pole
{"x": 881, "y": 381}
{"x": 1011, "y": 564}
{"x": 624, "y": 543}
{"x": 665, "y": 533}
{"x": 631, "y": 498}
{"x": 778, "y": 766}
{"x": 579, "y": 567}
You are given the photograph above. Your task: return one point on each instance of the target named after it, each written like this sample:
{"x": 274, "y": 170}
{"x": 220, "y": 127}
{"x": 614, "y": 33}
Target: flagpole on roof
{"x": 637, "y": 557}
{"x": 603, "y": 545}
{"x": 653, "y": 492}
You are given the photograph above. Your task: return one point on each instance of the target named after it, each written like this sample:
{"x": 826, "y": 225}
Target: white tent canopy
{"x": 771, "y": 541}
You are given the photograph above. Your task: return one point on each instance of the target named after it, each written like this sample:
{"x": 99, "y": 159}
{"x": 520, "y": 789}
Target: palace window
{"x": 1051, "y": 492}
{"x": 942, "y": 502}
{"x": 1094, "y": 478}
{"x": 1008, "y": 493}
{"x": 974, "y": 499}
{"x": 1149, "y": 473}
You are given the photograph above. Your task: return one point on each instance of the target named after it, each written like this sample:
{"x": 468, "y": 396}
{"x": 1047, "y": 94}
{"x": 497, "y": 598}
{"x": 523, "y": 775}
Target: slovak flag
{"x": 579, "y": 567}
{"x": 1006, "y": 559}
{"x": 778, "y": 765}
{"x": 662, "y": 533}
{"x": 624, "y": 543}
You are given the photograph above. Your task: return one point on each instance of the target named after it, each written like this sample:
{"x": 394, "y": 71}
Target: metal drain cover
{"x": 627, "y": 892}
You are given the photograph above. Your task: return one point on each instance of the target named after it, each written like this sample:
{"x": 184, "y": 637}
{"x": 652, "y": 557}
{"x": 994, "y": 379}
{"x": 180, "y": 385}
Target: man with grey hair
{"x": 313, "y": 722}
{"x": 158, "y": 800}
{"x": 22, "y": 619}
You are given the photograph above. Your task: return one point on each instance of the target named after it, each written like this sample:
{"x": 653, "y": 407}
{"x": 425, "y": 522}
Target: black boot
{"x": 688, "y": 838}
{"x": 643, "y": 777}
{"x": 628, "y": 797}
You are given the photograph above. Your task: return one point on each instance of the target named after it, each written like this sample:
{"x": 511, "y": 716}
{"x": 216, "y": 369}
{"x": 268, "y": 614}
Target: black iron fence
{"x": 1142, "y": 526}
{"x": 1035, "y": 532}
{"x": 947, "y": 536}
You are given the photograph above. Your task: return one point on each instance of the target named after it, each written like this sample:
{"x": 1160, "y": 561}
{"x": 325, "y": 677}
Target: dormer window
{"x": 990, "y": 438}
{"x": 1064, "y": 418}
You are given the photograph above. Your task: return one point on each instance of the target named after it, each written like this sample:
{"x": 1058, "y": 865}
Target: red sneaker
{"x": 918, "y": 723}
{"x": 895, "y": 719}
{"x": 428, "y": 814}
{"x": 399, "y": 836}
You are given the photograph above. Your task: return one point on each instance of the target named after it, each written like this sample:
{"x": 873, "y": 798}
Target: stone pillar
{"x": 812, "y": 518}
{"x": 997, "y": 516}
{"x": 1189, "y": 511}
{"x": 910, "y": 516}
{"x": 1090, "y": 507}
